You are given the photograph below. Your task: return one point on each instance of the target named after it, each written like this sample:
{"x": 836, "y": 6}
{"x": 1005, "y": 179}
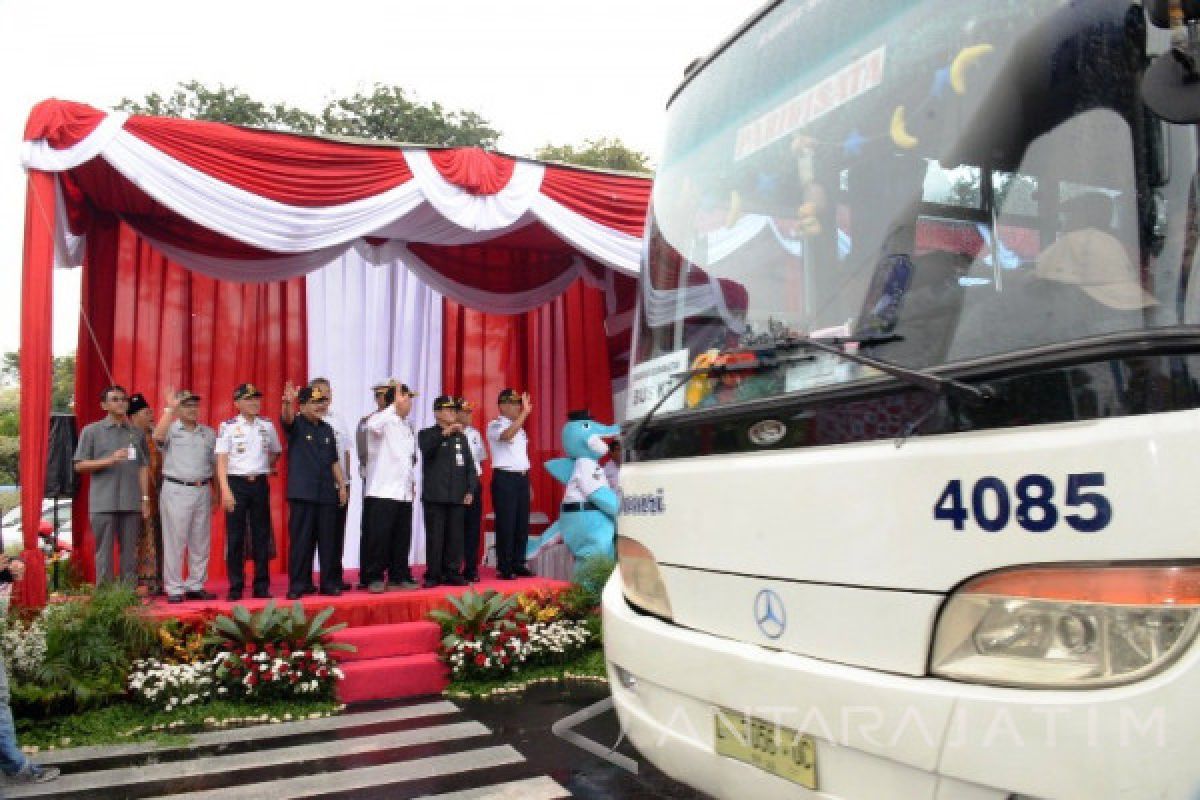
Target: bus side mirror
{"x": 1171, "y": 85}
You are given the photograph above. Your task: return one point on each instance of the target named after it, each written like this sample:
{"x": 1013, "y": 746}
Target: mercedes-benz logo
{"x": 769, "y": 614}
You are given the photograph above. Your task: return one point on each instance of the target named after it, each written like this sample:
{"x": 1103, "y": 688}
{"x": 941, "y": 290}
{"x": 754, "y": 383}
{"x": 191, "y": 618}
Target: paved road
{"x": 429, "y": 748}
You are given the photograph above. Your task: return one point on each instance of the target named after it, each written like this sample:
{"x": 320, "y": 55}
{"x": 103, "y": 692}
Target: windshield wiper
{"x": 935, "y": 384}
{"x": 768, "y": 357}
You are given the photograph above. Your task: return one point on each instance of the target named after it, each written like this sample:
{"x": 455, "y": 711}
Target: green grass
{"x": 589, "y": 665}
{"x": 129, "y": 722}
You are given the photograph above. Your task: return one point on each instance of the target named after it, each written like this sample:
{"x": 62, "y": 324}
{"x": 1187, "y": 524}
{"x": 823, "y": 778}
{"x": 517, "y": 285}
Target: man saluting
{"x": 450, "y": 485}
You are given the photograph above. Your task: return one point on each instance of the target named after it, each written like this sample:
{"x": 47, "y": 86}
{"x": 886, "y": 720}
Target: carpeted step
{"x": 384, "y": 641}
{"x": 392, "y": 678}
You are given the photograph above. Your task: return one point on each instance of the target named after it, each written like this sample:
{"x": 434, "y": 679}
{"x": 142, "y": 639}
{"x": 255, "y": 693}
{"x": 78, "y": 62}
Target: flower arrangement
{"x": 278, "y": 671}
{"x": 490, "y": 636}
{"x": 22, "y": 645}
{"x": 168, "y": 686}
{"x": 182, "y": 642}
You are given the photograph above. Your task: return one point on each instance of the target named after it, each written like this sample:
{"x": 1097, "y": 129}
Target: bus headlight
{"x": 641, "y": 578}
{"x": 1066, "y": 627}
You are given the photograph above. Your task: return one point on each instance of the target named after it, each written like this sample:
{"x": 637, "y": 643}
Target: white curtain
{"x": 368, "y": 321}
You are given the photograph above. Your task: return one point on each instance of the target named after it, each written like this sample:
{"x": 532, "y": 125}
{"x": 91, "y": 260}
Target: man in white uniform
{"x": 368, "y": 448}
{"x": 247, "y": 449}
{"x": 391, "y": 488}
{"x": 510, "y": 482}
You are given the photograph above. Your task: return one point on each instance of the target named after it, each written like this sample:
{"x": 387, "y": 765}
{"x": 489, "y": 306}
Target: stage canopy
{"x": 214, "y": 254}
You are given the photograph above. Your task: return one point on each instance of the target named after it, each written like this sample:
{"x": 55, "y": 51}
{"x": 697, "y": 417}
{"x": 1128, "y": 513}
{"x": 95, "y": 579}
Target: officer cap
{"x": 137, "y": 402}
{"x": 385, "y": 383}
{"x": 508, "y": 395}
{"x": 402, "y": 388}
{"x": 444, "y": 401}
{"x": 309, "y": 394}
{"x": 185, "y": 397}
{"x": 463, "y": 404}
{"x": 244, "y": 390}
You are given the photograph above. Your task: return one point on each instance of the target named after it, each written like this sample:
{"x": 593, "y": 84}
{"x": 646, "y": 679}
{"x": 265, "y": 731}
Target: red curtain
{"x": 153, "y": 325}
{"x": 556, "y": 353}
{"x": 36, "y": 375}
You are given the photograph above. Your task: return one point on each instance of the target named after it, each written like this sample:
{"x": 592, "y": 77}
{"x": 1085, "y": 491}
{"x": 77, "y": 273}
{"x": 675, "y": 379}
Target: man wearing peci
{"x": 316, "y": 489}
{"x": 450, "y": 486}
{"x": 247, "y": 449}
{"x": 510, "y": 482}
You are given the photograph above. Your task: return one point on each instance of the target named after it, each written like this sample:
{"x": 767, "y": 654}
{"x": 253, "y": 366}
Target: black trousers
{"x": 362, "y": 538}
{"x": 472, "y": 521}
{"x": 311, "y": 531}
{"x": 387, "y": 540}
{"x": 251, "y": 513}
{"x": 443, "y": 540}
{"x": 335, "y": 572}
{"x": 510, "y": 501}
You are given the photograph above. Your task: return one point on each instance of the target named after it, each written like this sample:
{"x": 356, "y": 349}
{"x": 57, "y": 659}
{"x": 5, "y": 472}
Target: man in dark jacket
{"x": 316, "y": 487}
{"x": 450, "y": 485}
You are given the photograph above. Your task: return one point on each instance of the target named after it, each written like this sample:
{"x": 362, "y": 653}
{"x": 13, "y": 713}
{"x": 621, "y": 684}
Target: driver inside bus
{"x": 1084, "y": 284}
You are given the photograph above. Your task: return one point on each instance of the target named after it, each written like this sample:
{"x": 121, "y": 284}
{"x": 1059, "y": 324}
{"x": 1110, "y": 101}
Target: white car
{"x": 10, "y": 526}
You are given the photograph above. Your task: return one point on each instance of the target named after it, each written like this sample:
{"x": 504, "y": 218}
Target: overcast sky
{"x": 540, "y": 71}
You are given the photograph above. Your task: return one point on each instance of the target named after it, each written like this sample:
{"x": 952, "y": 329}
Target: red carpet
{"x": 397, "y": 644}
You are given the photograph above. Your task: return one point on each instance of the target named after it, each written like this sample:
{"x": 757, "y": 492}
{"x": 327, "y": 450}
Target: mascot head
{"x": 583, "y": 437}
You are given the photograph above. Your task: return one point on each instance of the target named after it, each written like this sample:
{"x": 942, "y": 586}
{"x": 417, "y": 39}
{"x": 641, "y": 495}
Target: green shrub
{"x": 91, "y": 642}
{"x": 275, "y": 626}
{"x": 10, "y": 453}
{"x": 591, "y": 574}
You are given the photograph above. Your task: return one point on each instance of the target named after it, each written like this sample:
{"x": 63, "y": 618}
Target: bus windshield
{"x": 955, "y": 181}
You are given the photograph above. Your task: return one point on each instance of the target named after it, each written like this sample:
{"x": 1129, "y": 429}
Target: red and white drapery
{"x": 169, "y": 217}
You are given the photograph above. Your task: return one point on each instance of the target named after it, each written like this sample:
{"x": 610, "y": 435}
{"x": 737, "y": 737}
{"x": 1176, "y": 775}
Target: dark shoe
{"x": 33, "y": 773}
{"x": 200, "y": 594}
{"x": 455, "y": 580}
{"x": 430, "y": 584}
{"x": 174, "y": 599}
{"x": 331, "y": 592}
{"x": 234, "y": 595}
{"x": 377, "y": 587}
{"x": 310, "y": 589}
{"x": 345, "y": 587}
{"x": 472, "y": 578}
{"x": 362, "y": 586}
{"x": 522, "y": 572}
{"x": 504, "y": 576}
{"x": 293, "y": 595}
{"x": 402, "y": 585}
{"x": 263, "y": 595}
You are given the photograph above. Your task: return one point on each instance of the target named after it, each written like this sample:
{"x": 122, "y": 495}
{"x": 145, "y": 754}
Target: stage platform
{"x": 396, "y": 647}
{"x": 357, "y": 607}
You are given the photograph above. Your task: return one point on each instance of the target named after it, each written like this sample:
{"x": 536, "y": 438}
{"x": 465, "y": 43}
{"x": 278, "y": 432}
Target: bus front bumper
{"x": 882, "y": 735}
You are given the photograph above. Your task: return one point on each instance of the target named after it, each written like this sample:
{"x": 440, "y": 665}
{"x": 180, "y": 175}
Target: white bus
{"x": 910, "y": 507}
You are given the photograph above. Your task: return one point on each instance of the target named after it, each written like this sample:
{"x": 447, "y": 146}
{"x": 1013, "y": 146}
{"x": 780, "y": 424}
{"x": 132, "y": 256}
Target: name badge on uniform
{"x": 458, "y": 459}
{"x": 241, "y": 449}
{"x": 131, "y": 453}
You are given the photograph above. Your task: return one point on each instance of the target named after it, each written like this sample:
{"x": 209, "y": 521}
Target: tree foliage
{"x": 62, "y": 394}
{"x": 384, "y": 113}
{"x": 603, "y": 153}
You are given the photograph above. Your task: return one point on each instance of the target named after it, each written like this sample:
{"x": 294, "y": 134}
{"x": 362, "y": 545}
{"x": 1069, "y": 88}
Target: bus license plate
{"x": 770, "y": 747}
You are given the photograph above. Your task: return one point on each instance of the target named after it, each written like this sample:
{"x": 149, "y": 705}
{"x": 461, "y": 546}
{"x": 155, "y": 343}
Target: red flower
{"x": 251, "y": 647}
{"x": 252, "y": 679}
{"x": 504, "y": 660}
{"x": 480, "y": 659}
{"x": 270, "y": 650}
{"x": 460, "y": 630}
{"x": 322, "y": 672}
{"x": 293, "y": 677}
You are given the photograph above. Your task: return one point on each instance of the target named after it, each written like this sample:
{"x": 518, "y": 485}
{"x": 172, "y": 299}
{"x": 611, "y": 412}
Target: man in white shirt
{"x": 391, "y": 488}
{"x": 474, "y": 515}
{"x": 247, "y": 449}
{"x": 342, "y": 434}
{"x": 368, "y": 448}
{"x": 510, "y": 482}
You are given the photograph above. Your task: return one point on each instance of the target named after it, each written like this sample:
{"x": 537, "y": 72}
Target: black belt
{"x": 503, "y": 471}
{"x": 249, "y": 478}
{"x": 585, "y": 506}
{"x": 187, "y": 483}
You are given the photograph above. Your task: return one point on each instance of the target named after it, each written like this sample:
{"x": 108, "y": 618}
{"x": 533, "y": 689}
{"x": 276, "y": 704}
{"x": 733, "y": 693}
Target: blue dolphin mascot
{"x": 587, "y": 518}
